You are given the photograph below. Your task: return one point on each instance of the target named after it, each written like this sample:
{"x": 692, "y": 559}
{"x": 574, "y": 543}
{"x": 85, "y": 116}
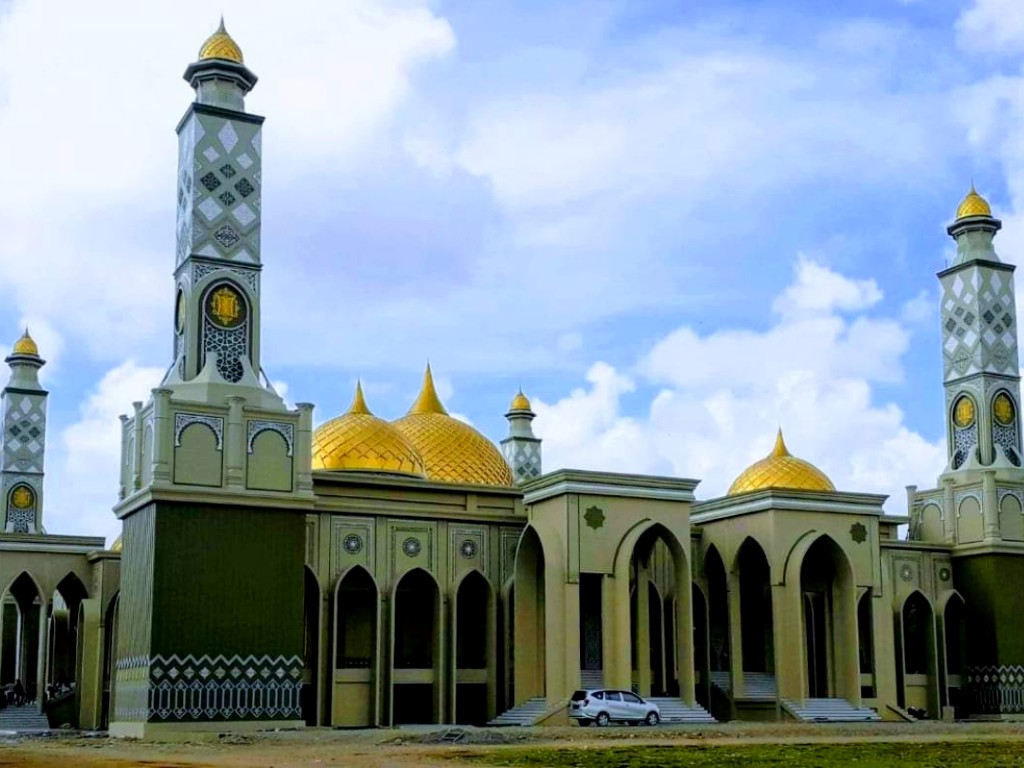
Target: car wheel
{"x": 603, "y": 719}
{"x": 584, "y": 723}
{"x": 652, "y": 718}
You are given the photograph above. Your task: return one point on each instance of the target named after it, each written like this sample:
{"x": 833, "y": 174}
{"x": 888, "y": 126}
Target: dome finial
{"x": 220, "y": 45}
{"x": 780, "y": 448}
{"x": 359, "y": 402}
{"x": 26, "y": 345}
{"x": 520, "y": 402}
{"x": 428, "y": 401}
{"x": 973, "y": 204}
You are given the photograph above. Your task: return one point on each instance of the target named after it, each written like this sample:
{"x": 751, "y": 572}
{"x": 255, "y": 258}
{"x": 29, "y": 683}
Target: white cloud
{"x": 818, "y": 290}
{"x": 83, "y": 462}
{"x": 991, "y": 26}
{"x": 725, "y": 394}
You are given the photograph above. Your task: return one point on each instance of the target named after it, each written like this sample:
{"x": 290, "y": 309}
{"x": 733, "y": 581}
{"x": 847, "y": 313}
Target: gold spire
{"x": 359, "y": 403}
{"x": 780, "y": 469}
{"x": 973, "y": 205}
{"x": 428, "y": 401}
{"x": 520, "y": 402}
{"x": 26, "y": 346}
{"x": 220, "y": 45}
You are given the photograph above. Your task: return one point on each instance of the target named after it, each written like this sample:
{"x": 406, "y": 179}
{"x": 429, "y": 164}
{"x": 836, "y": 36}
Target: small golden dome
{"x": 358, "y": 440}
{"x": 452, "y": 451}
{"x": 973, "y": 205}
{"x": 220, "y": 45}
{"x": 520, "y": 402}
{"x": 26, "y": 345}
{"x": 116, "y": 546}
{"x": 780, "y": 469}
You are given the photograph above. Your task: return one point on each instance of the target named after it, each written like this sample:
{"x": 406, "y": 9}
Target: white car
{"x": 603, "y": 706}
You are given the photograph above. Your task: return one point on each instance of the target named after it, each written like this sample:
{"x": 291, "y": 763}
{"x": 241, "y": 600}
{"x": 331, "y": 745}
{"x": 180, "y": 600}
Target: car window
{"x": 632, "y": 698}
{"x": 613, "y": 696}
{"x": 598, "y": 695}
{"x": 579, "y": 696}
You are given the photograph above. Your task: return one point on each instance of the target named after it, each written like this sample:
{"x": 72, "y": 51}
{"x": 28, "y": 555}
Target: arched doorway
{"x": 954, "y": 645}
{"x": 757, "y": 632}
{"x": 475, "y": 653}
{"x": 829, "y": 623}
{"x": 663, "y": 640}
{"x": 918, "y": 633}
{"x": 62, "y": 659}
{"x": 24, "y": 633}
{"x": 529, "y": 619}
{"x": 356, "y": 649}
{"x": 309, "y": 696}
{"x": 110, "y": 657}
{"x": 700, "y": 647}
{"x": 416, "y": 650}
{"x": 718, "y": 620}
{"x": 865, "y": 645}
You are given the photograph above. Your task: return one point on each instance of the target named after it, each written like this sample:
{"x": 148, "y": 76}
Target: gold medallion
{"x": 1002, "y": 409}
{"x": 963, "y": 412}
{"x": 225, "y": 307}
{"x": 22, "y": 497}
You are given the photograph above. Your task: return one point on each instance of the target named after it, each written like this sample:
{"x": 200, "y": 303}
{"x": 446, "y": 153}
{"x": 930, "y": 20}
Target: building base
{"x": 180, "y": 731}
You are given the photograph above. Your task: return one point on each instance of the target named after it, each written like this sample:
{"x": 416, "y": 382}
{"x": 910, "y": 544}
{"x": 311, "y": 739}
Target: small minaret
{"x": 521, "y": 448}
{"x": 23, "y": 440}
{"x": 979, "y": 334}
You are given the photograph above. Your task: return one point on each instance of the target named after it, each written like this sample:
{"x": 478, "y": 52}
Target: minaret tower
{"x": 23, "y": 440}
{"x": 217, "y": 301}
{"x": 979, "y": 335}
{"x": 521, "y": 448}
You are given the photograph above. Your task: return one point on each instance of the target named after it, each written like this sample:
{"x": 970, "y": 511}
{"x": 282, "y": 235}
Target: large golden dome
{"x": 452, "y": 451}
{"x": 116, "y": 546}
{"x": 780, "y": 469}
{"x": 973, "y": 205}
{"x": 358, "y": 440}
{"x": 220, "y": 45}
{"x": 26, "y": 345}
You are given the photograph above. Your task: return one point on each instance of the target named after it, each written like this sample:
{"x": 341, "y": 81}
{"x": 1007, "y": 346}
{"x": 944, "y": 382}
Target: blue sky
{"x": 676, "y": 226}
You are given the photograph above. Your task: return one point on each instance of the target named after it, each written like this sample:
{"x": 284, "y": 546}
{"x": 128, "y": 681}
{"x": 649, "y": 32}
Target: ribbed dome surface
{"x": 220, "y": 45}
{"x": 358, "y": 440}
{"x": 781, "y": 470}
{"x": 452, "y": 451}
{"x": 973, "y": 205}
{"x": 26, "y": 345}
{"x": 520, "y": 402}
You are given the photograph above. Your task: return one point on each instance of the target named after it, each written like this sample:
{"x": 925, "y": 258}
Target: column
{"x": 989, "y": 504}
{"x": 234, "y": 444}
{"x": 735, "y": 634}
{"x": 163, "y": 435}
{"x": 304, "y": 449}
{"x": 44, "y": 625}
{"x": 643, "y": 630}
{"x": 137, "y": 458}
{"x": 949, "y": 511}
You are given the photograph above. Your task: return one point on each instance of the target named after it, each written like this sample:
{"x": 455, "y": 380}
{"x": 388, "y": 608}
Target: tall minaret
{"x": 979, "y": 335}
{"x": 217, "y": 304}
{"x": 23, "y": 440}
{"x": 521, "y": 448}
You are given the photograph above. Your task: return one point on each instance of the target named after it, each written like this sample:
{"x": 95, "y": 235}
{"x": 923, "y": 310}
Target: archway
{"x": 918, "y": 633}
{"x": 529, "y": 619}
{"x": 416, "y": 644}
{"x": 700, "y": 647}
{"x": 62, "y": 658}
{"x": 865, "y": 644}
{"x": 356, "y": 649}
{"x": 663, "y": 643}
{"x": 718, "y": 620}
{"x": 954, "y": 651}
{"x": 24, "y": 631}
{"x": 756, "y": 621}
{"x": 829, "y": 622}
{"x": 110, "y": 658}
{"x": 309, "y": 695}
{"x": 475, "y": 652}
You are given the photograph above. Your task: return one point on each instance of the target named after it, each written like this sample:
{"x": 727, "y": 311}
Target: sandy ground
{"x": 426, "y": 746}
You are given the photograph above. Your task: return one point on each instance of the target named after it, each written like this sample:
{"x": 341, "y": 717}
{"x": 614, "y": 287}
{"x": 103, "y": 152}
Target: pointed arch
{"x": 355, "y": 641}
{"x": 416, "y": 642}
{"x": 24, "y": 658}
{"x": 17, "y": 585}
{"x": 473, "y": 688}
{"x": 917, "y": 649}
{"x": 110, "y": 620}
{"x": 529, "y": 618}
{"x": 952, "y": 656}
{"x": 756, "y": 617}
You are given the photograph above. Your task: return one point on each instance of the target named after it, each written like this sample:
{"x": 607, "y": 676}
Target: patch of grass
{"x": 955, "y": 754}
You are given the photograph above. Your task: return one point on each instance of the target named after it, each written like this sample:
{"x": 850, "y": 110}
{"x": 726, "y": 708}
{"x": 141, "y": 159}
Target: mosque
{"x": 372, "y": 572}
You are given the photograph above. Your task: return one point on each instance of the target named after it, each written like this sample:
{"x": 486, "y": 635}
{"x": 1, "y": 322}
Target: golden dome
{"x": 358, "y": 440}
{"x": 452, "y": 451}
{"x": 26, "y": 346}
{"x": 973, "y": 205}
{"x": 220, "y": 45}
{"x": 780, "y": 469}
{"x": 520, "y": 402}
{"x": 116, "y": 546}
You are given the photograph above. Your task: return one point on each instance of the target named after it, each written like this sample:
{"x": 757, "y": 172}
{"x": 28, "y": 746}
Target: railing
{"x": 995, "y": 690}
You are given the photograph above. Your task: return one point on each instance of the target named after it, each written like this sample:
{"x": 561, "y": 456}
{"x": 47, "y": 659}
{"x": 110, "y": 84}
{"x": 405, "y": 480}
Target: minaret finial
{"x": 359, "y": 402}
{"x": 780, "y": 448}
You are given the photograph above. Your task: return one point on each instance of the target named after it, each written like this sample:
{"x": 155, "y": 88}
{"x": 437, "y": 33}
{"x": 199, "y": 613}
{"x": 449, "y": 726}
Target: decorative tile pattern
{"x": 995, "y": 690}
{"x": 183, "y": 420}
{"x": 229, "y": 344}
{"x": 284, "y": 429}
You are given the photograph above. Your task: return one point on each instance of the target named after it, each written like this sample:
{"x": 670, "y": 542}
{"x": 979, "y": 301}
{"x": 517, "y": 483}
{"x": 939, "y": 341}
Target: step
{"x": 25, "y": 718}
{"x": 527, "y": 713}
{"x": 832, "y": 710}
{"x": 675, "y": 711}
{"x": 591, "y": 679}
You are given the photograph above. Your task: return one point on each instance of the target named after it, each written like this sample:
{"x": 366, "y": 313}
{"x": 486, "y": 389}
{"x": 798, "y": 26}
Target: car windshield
{"x": 579, "y": 696}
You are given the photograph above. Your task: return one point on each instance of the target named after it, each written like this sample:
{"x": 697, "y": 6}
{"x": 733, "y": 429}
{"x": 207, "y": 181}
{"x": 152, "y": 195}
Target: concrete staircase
{"x": 24, "y": 718}
{"x": 591, "y": 679}
{"x": 757, "y": 686}
{"x": 675, "y": 711}
{"x": 829, "y": 711}
{"x": 527, "y": 713}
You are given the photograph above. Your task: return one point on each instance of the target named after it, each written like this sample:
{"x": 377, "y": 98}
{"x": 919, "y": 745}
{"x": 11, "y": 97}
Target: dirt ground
{"x": 436, "y": 745}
